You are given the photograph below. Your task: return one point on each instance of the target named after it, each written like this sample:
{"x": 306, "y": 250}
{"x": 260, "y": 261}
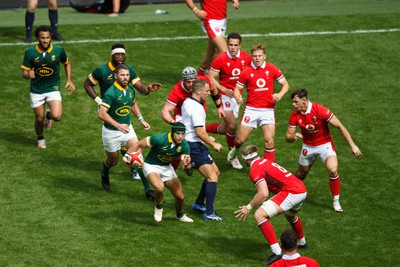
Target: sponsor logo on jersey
{"x": 123, "y": 111}
{"x": 261, "y": 83}
{"x": 236, "y": 72}
{"x": 44, "y": 71}
{"x": 165, "y": 158}
{"x": 310, "y": 127}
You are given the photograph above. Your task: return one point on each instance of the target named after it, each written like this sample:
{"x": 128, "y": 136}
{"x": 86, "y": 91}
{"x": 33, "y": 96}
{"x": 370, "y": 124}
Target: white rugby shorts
{"x": 254, "y": 117}
{"x": 230, "y": 104}
{"x": 39, "y": 99}
{"x": 309, "y": 154}
{"x": 166, "y": 172}
{"x": 113, "y": 140}
{"x": 214, "y": 28}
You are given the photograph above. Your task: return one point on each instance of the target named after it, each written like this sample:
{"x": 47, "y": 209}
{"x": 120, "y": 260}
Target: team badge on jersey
{"x": 53, "y": 57}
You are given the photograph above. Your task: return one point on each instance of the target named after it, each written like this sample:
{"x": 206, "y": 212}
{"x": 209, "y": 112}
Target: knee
{"x": 159, "y": 187}
{"x": 56, "y": 118}
{"x": 112, "y": 162}
{"x": 260, "y": 216}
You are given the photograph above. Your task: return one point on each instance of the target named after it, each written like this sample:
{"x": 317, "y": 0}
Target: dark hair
{"x": 234, "y": 35}
{"x": 289, "y": 240}
{"x": 300, "y": 93}
{"x": 117, "y": 46}
{"x": 42, "y": 28}
{"x": 121, "y": 67}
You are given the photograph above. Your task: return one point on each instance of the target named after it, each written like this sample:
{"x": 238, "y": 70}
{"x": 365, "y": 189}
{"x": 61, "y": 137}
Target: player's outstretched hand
{"x": 145, "y": 125}
{"x": 154, "y": 86}
{"x": 242, "y": 213}
{"x": 70, "y": 85}
{"x": 356, "y": 151}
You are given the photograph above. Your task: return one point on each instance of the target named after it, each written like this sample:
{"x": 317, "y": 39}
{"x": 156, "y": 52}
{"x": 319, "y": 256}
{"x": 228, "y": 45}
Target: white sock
{"x": 336, "y": 199}
{"x": 276, "y": 249}
{"x": 302, "y": 241}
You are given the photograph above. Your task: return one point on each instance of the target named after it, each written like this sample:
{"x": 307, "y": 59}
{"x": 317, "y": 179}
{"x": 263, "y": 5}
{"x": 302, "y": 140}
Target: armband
{"x": 98, "y": 100}
{"x": 140, "y": 117}
{"x": 217, "y": 100}
{"x": 249, "y": 206}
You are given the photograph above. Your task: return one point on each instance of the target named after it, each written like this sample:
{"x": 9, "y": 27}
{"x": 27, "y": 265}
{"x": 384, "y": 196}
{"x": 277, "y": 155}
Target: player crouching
{"x": 165, "y": 148}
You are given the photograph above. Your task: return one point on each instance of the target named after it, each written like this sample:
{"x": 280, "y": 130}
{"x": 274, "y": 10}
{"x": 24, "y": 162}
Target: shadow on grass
{"x": 17, "y": 138}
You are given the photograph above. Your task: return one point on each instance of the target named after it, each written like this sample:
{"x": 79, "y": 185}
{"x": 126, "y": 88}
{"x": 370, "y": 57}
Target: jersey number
{"x": 279, "y": 167}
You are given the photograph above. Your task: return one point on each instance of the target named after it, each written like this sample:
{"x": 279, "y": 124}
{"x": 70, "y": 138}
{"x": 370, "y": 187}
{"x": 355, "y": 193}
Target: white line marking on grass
{"x": 280, "y": 34}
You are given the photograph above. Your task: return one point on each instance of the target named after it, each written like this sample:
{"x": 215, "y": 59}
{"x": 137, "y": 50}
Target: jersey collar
{"x": 119, "y": 86}
{"x": 291, "y": 257}
{"x": 255, "y": 67}
{"x": 308, "y": 108}
{"x": 41, "y": 51}
{"x": 231, "y": 57}
{"x": 183, "y": 87}
{"x": 111, "y": 66}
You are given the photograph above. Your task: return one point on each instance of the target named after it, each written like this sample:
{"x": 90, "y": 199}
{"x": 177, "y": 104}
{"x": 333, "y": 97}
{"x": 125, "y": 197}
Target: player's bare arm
{"x": 334, "y": 121}
{"x": 291, "y": 135}
{"x": 136, "y": 111}
{"x": 89, "y": 88}
{"x": 146, "y": 89}
{"x": 166, "y": 112}
{"x": 258, "y": 199}
{"x": 201, "y": 14}
{"x": 237, "y": 94}
{"x": 68, "y": 72}
{"x": 203, "y": 135}
{"x": 285, "y": 88}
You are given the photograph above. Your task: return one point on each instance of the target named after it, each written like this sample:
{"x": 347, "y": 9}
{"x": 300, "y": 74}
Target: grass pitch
{"x": 55, "y": 213}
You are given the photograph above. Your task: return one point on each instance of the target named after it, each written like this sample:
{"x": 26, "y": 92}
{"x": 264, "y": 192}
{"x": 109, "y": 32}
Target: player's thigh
{"x": 155, "y": 180}
{"x": 220, "y": 44}
{"x": 39, "y": 112}
{"x": 268, "y": 132}
{"x": 31, "y": 5}
{"x": 243, "y": 133}
{"x": 130, "y": 138}
{"x": 230, "y": 121}
{"x": 55, "y": 109}
{"x": 175, "y": 186}
{"x": 52, "y": 4}
{"x": 331, "y": 164}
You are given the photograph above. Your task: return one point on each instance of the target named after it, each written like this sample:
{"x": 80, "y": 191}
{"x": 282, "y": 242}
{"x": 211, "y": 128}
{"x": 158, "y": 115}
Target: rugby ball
{"x": 133, "y": 159}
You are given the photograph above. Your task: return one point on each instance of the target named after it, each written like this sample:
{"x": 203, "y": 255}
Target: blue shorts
{"x": 199, "y": 154}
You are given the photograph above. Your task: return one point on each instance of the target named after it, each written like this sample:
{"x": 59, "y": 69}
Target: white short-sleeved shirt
{"x": 193, "y": 115}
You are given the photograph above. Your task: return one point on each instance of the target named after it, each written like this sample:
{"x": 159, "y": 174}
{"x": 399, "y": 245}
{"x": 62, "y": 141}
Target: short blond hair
{"x": 260, "y": 46}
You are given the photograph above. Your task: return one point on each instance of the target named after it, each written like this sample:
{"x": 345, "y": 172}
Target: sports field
{"x": 55, "y": 213}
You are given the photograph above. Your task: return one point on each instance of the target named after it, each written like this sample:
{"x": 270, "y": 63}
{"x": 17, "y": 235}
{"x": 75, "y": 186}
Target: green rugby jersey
{"x": 119, "y": 103}
{"x": 47, "y": 67}
{"x": 163, "y": 149}
{"x": 104, "y": 76}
